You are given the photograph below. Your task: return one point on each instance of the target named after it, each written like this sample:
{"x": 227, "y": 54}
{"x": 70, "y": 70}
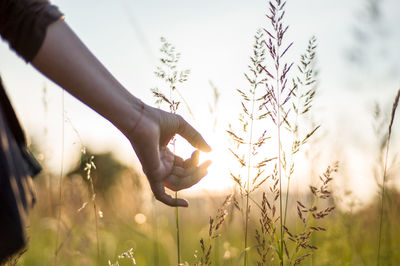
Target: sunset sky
{"x": 215, "y": 39}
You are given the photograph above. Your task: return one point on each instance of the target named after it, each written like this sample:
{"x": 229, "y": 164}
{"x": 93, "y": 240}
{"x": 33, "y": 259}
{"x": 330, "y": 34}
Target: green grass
{"x": 349, "y": 239}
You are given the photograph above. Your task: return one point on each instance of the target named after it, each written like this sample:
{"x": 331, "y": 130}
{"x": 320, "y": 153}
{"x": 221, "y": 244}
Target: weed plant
{"x": 278, "y": 228}
{"x": 215, "y": 224}
{"x": 126, "y": 255}
{"x": 168, "y": 71}
{"x": 89, "y": 167}
{"x": 250, "y": 159}
{"x": 272, "y": 100}
{"x": 385, "y": 146}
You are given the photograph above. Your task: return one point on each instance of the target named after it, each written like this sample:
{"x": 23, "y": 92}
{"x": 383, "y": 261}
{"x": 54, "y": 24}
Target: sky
{"x": 215, "y": 39}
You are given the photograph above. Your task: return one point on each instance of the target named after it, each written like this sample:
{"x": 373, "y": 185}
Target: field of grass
{"x": 103, "y": 213}
{"x": 351, "y": 237}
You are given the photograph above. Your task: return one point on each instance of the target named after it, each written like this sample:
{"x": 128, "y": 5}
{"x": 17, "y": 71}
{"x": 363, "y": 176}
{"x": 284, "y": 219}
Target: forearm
{"x": 68, "y": 62}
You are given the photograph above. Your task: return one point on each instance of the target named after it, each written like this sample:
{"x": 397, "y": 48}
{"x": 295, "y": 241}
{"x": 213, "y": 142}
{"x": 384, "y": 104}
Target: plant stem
{"x": 155, "y": 232}
{"x": 279, "y": 151}
{"x": 248, "y": 175}
{"x": 382, "y": 200}
{"x": 173, "y": 109}
{"x": 177, "y": 231}
{"x": 95, "y": 219}
{"x": 294, "y": 137}
{"x": 245, "y": 230}
{"x": 280, "y": 180}
{"x": 61, "y": 177}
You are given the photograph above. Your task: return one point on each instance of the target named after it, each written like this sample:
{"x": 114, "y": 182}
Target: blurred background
{"x": 359, "y": 74}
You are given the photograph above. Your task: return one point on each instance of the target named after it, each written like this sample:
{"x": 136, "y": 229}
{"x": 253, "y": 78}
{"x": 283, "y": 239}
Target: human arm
{"x": 67, "y": 61}
{"x": 61, "y": 56}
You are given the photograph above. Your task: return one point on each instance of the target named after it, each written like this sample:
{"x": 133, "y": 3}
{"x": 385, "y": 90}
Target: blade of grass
{"x": 56, "y": 250}
{"x": 177, "y": 231}
{"x": 395, "y": 104}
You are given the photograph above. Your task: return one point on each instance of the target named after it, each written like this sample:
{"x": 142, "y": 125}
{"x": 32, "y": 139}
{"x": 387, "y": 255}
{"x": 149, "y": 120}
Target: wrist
{"x": 135, "y": 124}
{"x": 128, "y": 114}
{"x": 140, "y": 123}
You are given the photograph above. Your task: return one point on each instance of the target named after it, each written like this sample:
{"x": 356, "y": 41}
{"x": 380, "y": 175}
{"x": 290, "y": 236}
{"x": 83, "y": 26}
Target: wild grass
{"x": 126, "y": 255}
{"x": 270, "y": 224}
{"x": 89, "y": 167}
{"x": 168, "y": 71}
{"x": 252, "y": 112}
{"x": 215, "y": 225}
{"x": 60, "y": 177}
{"x": 384, "y": 174}
{"x": 272, "y": 100}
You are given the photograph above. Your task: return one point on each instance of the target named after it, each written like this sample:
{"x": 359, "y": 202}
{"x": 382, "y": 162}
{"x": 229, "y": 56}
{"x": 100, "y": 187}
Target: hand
{"x": 150, "y": 138}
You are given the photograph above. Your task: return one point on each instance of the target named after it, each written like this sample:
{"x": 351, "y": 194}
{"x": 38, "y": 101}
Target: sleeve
{"x": 23, "y": 24}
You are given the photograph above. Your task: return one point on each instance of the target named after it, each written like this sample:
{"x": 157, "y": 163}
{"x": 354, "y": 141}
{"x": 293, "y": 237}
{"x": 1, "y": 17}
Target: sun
{"x": 218, "y": 178}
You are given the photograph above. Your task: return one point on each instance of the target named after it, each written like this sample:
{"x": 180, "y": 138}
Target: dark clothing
{"x": 16, "y": 190}
{"x": 23, "y": 24}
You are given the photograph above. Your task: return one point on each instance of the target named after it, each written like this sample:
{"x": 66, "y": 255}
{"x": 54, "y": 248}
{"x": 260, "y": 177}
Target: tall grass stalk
{"x": 156, "y": 252}
{"x": 178, "y": 242}
{"x": 49, "y": 180}
{"x": 89, "y": 167}
{"x": 305, "y": 86}
{"x": 249, "y": 165}
{"x": 61, "y": 176}
{"x": 280, "y": 101}
{"x": 384, "y": 176}
{"x": 250, "y": 144}
{"x": 279, "y": 161}
{"x": 169, "y": 73}
{"x": 215, "y": 225}
{"x": 249, "y": 157}
{"x": 278, "y": 94}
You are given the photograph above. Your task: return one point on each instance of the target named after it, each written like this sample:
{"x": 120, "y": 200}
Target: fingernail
{"x": 195, "y": 153}
{"x": 207, "y": 148}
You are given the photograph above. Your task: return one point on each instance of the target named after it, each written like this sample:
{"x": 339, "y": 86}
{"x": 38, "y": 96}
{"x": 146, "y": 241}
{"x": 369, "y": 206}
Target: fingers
{"x": 181, "y": 172}
{"x": 184, "y": 178}
{"x": 193, "y": 160}
{"x": 192, "y": 136}
{"x": 186, "y": 167}
{"x": 159, "y": 194}
{"x": 178, "y": 161}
